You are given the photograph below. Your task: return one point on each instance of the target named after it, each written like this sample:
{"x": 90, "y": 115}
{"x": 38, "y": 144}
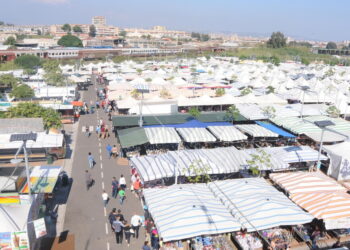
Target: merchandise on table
{"x": 248, "y": 241}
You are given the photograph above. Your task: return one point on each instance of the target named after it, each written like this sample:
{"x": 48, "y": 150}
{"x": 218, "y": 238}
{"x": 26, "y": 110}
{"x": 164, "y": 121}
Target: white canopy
{"x": 227, "y": 133}
{"x": 256, "y": 130}
{"x": 162, "y": 135}
{"x": 196, "y": 135}
{"x": 339, "y": 167}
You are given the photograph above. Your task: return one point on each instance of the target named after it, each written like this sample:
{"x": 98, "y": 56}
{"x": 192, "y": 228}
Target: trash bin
{"x": 49, "y": 159}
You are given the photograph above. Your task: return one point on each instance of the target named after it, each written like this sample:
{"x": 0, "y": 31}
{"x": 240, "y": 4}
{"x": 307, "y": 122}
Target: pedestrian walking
{"x": 97, "y": 104}
{"x": 109, "y": 150}
{"x": 137, "y": 187}
{"x": 106, "y": 133}
{"x": 146, "y": 246}
{"x": 112, "y": 217}
{"x": 118, "y": 230}
{"x": 120, "y": 215}
{"x": 115, "y": 186}
{"x": 122, "y": 182}
{"x": 155, "y": 239}
{"x": 87, "y": 131}
{"x": 88, "y": 180}
{"x": 98, "y": 129}
{"x": 127, "y": 232}
{"x": 91, "y": 160}
{"x": 105, "y": 198}
{"x": 122, "y": 196}
{"x": 136, "y": 222}
{"x": 109, "y": 116}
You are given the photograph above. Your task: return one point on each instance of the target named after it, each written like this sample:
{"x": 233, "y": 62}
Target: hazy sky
{"x": 309, "y": 19}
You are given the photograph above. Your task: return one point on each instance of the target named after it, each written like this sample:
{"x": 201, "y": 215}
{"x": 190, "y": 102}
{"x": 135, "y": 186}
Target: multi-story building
{"x": 99, "y": 21}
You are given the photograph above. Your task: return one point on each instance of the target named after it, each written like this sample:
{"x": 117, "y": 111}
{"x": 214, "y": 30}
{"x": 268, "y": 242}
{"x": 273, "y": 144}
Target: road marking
{"x": 91, "y": 128}
{"x": 108, "y": 246}
{"x": 105, "y": 210}
{"x": 101, "y": 166}
{"x": 100, "y": 157}
{"x": 106, "y": 228}
{"x": 103, "y": 185}
{"x": 102, "y": 175}
{"x": 99, "y": 144}
{"x": 100, "y": 150}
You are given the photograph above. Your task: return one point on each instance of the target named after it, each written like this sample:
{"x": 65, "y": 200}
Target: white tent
{"x": 256, "y": 130}
{"x": 162, "y": 135}
{"x": 196, "y": 135}
{"x": 227, "y": 133}
{"x": 339, "y": 167}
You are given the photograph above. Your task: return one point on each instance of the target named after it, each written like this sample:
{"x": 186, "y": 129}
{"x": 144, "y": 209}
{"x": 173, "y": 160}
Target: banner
{"x": 14, "y": 241}
{"x": 39, "y": 227}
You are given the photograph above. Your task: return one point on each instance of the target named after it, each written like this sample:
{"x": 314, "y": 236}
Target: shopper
{"x": 118, "y": 230}
{"x": 91, "y": 160}
{"x": 122, "y": 182}
{"x": 112, "y": 217}
{"x": 127, "y": 232}
{"x": 115, "y": 186}
{"x": 87, "y": 131}
{"x": 120, "y": 215}
{"x": 109, "y": 150}
{"x": 136, "y": 222}
{"x": 88, "y": 179}
{"x": 145, "y": 246}
{"x": 105, "y": 198}
{"x": 122, "y": 196}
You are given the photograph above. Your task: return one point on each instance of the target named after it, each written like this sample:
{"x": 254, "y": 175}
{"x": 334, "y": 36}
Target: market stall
{"x": 255, "y": 130}
{"x": 193, "y": 135}
{"x": 227, "y": 133}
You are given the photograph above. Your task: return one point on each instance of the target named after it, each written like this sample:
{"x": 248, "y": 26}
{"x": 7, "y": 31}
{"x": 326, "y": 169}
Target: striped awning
{"x": 186, "y": 211}
{"x": 196, "y": 135}
{"x": 257, "y": 205}
{"x": 256, "y": 130}
{"x": 162, "y": 135}
{"x": 306, "y": 182}
{"x": 227, "y": 133}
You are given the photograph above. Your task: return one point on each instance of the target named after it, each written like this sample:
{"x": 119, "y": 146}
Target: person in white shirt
{"x": 105, "y": 198}
{"x": 122, "y": 182}
{"x": 136, "y": 222}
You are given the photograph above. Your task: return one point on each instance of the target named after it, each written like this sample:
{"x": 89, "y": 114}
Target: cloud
{"x": 51, "y": 1}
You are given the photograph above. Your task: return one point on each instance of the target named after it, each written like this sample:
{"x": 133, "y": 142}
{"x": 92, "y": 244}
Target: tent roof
{"x": 258, "y": 205}
{"x": 186, "y": 211}
{"x": 227, "y": 133}
{"x": 21, "y": 125}
{"x": 192, "y": 124}
{"x": 196, "y": 135}
{"x": 275, "y": 129}
{"x": 133, "y": 120}
{"x": 132, "y": 137}
{"x": 341, "y": 149}
{"x": 256, "y": 130}
{"x": 162, "y": 135}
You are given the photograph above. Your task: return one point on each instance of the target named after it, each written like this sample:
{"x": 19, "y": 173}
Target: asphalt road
{"x": 86, "y": 216}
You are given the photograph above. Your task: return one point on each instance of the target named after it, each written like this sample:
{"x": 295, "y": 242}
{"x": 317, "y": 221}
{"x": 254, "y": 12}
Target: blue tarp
{"x": 275, "y": 129}
{"x": 192, "y": 124}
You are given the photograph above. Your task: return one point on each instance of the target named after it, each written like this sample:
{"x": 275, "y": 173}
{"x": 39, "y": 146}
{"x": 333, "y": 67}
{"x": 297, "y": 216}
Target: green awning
{"x": 132, "y": 137}
{"x": 133, "y": 120}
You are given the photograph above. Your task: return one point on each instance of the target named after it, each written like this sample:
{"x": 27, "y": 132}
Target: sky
{"x": 302, "y": 19}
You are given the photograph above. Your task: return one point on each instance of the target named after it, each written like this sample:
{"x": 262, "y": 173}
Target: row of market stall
{"x": 253, "y": 206}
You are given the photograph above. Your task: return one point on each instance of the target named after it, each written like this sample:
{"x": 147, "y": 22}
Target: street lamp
{"x": 24, "y": 138}
{"x": 141, "y": 88}
{"x": 304, "y": 89}
{"x": 322, "y": 125}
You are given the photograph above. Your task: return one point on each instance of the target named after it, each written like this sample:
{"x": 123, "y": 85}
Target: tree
{"x": 53, "y": 74}
{"x": 123, "y": 33}
{"x": 270, "y": 89}
{"x": 269, "y": 111}
{"x": 32, "y": 110}
{"x": 77, "y": 29}
{"x": 219, "y": 92}
{"x": 331, "y": 45}
{"x": 194, "y": 112}
{"x": 333, "y": 111}
{"x": 246, "y": 91}
{"x": 66, "y": 27}
{"x": 204, "y": 37}
{"x": 92, "y": 31}
{"x": 38, "y": 32}
{"x": 135, "y": 94}
{"x": 70, "y": 41}
{"x": 22, "y": 91}
{"x": 28, "y": 61}
{"x": 232, "y": 113}
{"x": 197, "y": 172}
{"x": 259, "y": 160}
{"x": 277, "y": 40}
{"x": 10, "y": 41}
{"x": 8, "y": 81}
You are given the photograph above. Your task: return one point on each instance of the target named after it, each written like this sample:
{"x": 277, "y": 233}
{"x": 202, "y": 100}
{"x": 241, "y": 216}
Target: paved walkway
{"x": 86, "y": 216}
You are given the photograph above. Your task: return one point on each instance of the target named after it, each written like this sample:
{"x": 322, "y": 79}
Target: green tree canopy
{"x": 92, "y": 31}
{"x": 232, "y": 113}
{"x": 194, "y": 112}
{"x": 70, "y": 41}
{"x": 28, "y": 61}
{"x": 10, "y": 41}
{"x": 77, "y": 29}
{"x": 66, "y": 27}
{"x": 53, "y": 73}
{"x": 22, "y": 91}
{"x": 123, "y": 33}
{"x": 277, "y": 40}
{"x": 219, "y": 92}
{"x": 32, "y": 110}
{"x": 331, "y": 45}
{"x": 8, "y": 81}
